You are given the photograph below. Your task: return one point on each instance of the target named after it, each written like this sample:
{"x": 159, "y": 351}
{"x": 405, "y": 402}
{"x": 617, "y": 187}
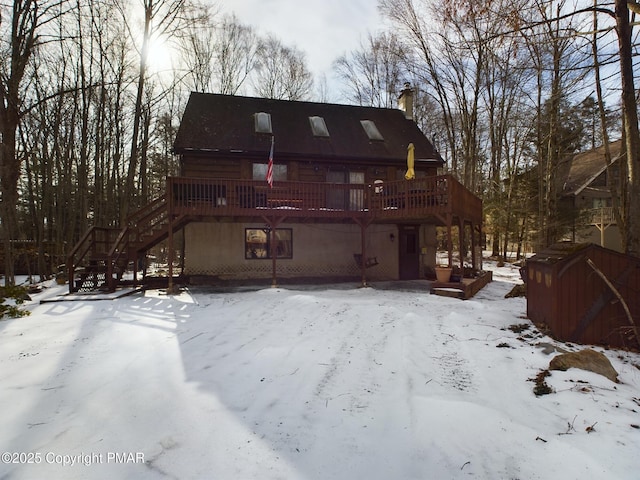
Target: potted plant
{"x": 443, "y": 273}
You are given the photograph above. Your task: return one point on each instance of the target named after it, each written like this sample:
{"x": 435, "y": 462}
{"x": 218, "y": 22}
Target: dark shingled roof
{"x": 587, "y": 166}
{"x": 224, "y": 123}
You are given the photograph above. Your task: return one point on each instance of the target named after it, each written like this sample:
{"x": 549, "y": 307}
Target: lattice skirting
{"x": 263, "y": 270}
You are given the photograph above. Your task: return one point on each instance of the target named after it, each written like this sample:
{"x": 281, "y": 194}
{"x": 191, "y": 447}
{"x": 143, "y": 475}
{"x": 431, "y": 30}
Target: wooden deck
{"x": 464, "y": 289}
{"x": 438, "y": 200}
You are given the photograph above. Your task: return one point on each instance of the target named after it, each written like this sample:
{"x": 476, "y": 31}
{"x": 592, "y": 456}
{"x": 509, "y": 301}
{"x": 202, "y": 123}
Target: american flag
{"x": 270, "y": 165}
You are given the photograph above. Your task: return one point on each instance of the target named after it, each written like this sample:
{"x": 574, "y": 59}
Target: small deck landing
{"x": 464, "y": 289}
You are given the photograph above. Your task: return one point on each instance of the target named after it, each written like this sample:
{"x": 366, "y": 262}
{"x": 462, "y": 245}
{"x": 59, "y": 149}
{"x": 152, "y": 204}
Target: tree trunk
{"x": 9, "y": 174}
{"x": 631, "y": 131}
{"x": 129, "y": 193}
{"x": 616, "y": 204}
{"x": 24, "y": 22}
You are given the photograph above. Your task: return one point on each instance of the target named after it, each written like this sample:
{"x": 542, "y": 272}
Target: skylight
{"x": 318, "y": 127}
{"x": 372, "y": 131}
{"x": 263, "y": 122}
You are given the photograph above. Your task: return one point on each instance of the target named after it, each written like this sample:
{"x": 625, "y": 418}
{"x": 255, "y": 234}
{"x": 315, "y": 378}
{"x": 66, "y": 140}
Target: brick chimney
{"x": 405, "y": 101}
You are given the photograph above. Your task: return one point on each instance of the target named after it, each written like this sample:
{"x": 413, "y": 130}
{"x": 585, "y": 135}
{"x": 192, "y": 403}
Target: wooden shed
{"x": 567, "y": 294}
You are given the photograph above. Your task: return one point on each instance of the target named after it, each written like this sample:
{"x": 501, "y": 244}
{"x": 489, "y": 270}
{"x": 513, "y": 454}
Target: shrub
{"x": 16, "y": 296}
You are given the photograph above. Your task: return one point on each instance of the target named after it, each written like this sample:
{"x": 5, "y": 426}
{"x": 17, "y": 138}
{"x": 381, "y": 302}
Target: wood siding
{"x": 566, "y": 295}
{"x": 202, "y": 167}
{"x": 298, "y": 169}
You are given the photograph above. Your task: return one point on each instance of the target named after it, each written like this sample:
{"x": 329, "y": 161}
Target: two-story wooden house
{"x": 588, "y": 189}
{"x": 355, "y": 192}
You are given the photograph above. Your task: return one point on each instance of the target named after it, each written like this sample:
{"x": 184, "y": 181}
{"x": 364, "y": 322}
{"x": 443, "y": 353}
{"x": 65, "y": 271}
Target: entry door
{"x": 409, "y": 255}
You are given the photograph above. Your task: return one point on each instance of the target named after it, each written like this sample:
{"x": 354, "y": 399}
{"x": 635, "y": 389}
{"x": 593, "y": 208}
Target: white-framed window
{"x": 279, "y": 172}
{"x": 257, "y": 243}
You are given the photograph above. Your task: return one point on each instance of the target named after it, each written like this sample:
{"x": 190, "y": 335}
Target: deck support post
{"x": 461, "y": 239}
{"x": 170, "y": 286}
{"x": 363, "y": 249}
{"x": 474, "y": 260}
{"x": 363, "y": 224}
{"x": 273, "y": 250}
{"x": 449, "y": 240}
{"x": 170, "y": 243}
{"x": 274, "y": 254}
{"x": 136, "y": 262}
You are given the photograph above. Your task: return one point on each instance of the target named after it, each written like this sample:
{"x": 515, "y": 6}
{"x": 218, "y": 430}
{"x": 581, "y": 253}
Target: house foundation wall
{"x": 318, "y": 250}
{"x": 428, "y": 248}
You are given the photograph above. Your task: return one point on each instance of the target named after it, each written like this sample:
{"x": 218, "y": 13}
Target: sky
{"x": 306, "y": 382}
{"x": 324, "y": 30}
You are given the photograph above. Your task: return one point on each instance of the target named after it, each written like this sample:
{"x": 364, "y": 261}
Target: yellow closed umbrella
{"x": 411, "y": 174}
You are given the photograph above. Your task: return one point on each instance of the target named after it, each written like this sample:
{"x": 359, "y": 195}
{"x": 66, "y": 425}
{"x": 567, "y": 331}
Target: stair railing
{"x": 127, "y": 242}
{"x": 119, "y": 247}
{"x": 94, "y": 243}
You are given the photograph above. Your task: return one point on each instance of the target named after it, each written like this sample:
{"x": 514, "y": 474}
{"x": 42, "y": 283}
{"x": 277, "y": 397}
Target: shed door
{"x": 409, "y": 255}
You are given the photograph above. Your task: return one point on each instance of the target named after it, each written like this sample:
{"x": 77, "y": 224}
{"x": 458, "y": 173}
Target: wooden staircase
{"x": 100, "y": 259}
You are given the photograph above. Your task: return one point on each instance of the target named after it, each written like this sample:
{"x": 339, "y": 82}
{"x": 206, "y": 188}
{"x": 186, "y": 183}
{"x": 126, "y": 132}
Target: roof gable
{"x": 587, "y": 166}
{"x": 224, "y": 123}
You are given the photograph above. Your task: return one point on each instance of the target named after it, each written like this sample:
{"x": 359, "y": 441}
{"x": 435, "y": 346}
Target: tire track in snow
{"x": 453, "y": 362}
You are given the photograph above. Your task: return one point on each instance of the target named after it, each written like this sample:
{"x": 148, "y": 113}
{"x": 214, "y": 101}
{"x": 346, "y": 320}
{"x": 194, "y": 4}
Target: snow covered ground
{"x": 304, "y": 383}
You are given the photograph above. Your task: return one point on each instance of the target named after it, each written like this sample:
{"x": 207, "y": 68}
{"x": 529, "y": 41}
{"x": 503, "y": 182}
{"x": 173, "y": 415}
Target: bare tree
{"x": 197, "y": 52}
{"x": 160, "y": 17}
{"x": 630, "y": 124}
{"x": 218, "y": 57}
{"x": 236, "y": 50}
{"x": 373, "y": 74}
{"x": 449, "y": 55}
{"x": 19, "y": 41}
{"x": 281, "y": 72}
{"x": 507, "y": 112}
{"x": 620, "y": 14}
{"x": 550, "y": 45}
{"x": 618, "y": 207}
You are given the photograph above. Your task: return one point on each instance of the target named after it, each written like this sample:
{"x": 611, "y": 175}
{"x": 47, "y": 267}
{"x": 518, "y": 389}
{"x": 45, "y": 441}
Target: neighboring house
{"x": 587, "y": 187}
{"x": 339, "y": 206}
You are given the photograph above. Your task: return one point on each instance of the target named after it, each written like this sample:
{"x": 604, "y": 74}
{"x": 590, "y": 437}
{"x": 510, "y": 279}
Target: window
{"x": 279, "y": 172}
{"x": 346, "y": 199}
{"x": 318, "y": 127}
{"x": 601, "y": 202}
{"x": 257, "y": 243}
{"x": 372, "y": 131}
{"x": 263, "y": 122}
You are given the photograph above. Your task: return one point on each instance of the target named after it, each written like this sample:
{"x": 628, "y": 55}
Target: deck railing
{"x": 103, "y": 253}
{"x": 90, "y": 254}
{"x": 388, "y": 200}
{"x": 602, "y": 216}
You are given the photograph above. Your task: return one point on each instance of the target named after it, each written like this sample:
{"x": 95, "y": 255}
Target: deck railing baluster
{"x": 390, "y": 200}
